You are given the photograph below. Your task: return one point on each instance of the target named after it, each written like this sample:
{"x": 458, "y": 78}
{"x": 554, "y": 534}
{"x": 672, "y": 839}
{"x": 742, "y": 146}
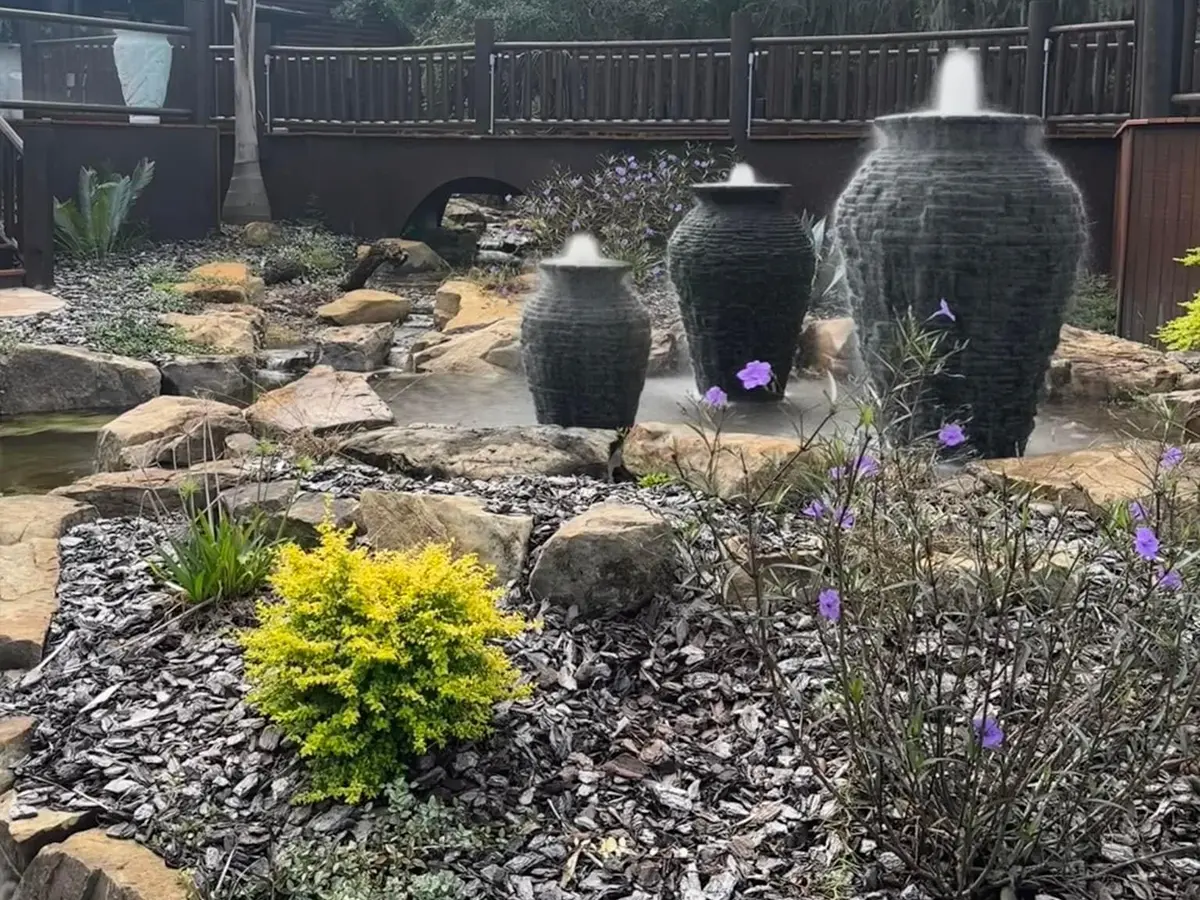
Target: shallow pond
{"x": 40, "y": 453}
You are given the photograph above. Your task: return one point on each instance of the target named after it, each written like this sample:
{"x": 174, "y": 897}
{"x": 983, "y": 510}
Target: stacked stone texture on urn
{"x": 585, "y": 345}
{"x": 742, "y": 266}
{"x": 974, "y": 211}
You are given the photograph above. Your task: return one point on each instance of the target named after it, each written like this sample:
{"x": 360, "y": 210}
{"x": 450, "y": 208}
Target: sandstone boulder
{"x": 16, "y": 736}
{"x": 141, "y": 492}
{"x": 1104, "y": 367}
{"x": 471, "y": 352}
{"x": 29, "y": 531}
{"x": 287, "y": 510}
{"x": 1093, "y": 479}
{"x": 668, "y": 351}
{"x": 171, "y": 432}
{"x": 449, "y": 451}
{"x": 35, "y": 379}
{"x": 465, "y": 306}
{"x": 23, "y": 831}
{"x": 741, "y": 466}
{"x": 610, "y": 560}
{"x": 354, "y": 348}
{"x": 92, "y": 866}
{"x": 395, "y": 520}
{"x": 222, "y": 282}
{"x": 320, "y": 402}
{"x": 225, "y": 378}
{"x": 234, "y": 329}
{"x": 366, "y": 307}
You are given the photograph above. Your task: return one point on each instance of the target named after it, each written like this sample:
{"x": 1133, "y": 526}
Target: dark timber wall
{"x": 182, "y": 201}
{"x": 371, "y": 185}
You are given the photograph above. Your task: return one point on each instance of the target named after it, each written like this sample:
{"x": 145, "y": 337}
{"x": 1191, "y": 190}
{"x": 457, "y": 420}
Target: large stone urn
{"x": 143, "y": 64}
{"x": 973, "y": 211}
{"x": 742, "y": 266}
{"x": 585, "y": 344}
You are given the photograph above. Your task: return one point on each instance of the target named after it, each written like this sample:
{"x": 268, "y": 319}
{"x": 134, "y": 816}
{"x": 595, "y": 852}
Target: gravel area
{"x": 652, "y": 761}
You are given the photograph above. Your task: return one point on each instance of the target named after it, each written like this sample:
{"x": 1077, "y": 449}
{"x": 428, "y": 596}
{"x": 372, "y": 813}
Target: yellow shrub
{"x": 365, "y": 660}
{"x": 1183, "y": 333}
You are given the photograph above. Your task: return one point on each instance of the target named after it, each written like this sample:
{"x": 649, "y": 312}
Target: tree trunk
{"x": 246, "y": 200}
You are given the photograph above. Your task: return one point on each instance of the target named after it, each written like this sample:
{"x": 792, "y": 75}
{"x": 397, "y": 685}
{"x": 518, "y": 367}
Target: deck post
{"x": 484, "y": 96}
{"x": 37, "y": 206}
{"x": 1039, "y": 20}
{"x": 740, "y": 48}
{"x": 1156, "y": 39}
{"x": 260, "y": 65}
{"x": 197, "y": 15}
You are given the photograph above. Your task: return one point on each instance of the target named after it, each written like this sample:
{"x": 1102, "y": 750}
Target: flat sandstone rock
{"x": 320, "y": 402}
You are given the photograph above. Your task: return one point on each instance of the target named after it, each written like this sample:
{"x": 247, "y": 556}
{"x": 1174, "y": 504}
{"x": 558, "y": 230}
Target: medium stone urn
{"x": 742, "y": 266}
{"x": 585, "y": 344}
{"x": 971, "y": 210}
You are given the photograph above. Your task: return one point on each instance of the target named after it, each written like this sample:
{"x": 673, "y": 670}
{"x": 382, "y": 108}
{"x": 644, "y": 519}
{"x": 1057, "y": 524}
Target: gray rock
{"x": 610, "y": 560}
{"x": 224, "y": 378}
{"x": 355, "y": 348}
{"x": 37, "y": 379}
{"x": 289, "y": 511}
{"x": 463, "y": 452}
{"x": 296, "y": 360}
{"x": 397, "y": 520}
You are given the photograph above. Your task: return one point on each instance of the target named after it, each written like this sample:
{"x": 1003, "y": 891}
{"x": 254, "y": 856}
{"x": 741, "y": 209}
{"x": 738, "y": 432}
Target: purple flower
{"x": 990, "y": 735}
{"x": 1170, "y": 580}
{"x": 621, "y": 170}
{"x": 944, "y": 312}
{"x": 816, "y": 509}
{"x": 951, "y": 434}
{"x": 1145, "y": 543}
{"x": 715, "y": 397}
{"x": 1171, "y": 457}
{"x": 845, "y": 518}
{"x": 864, "y": 466}
{"x": 829, "y": 604}
{"x": 676, "y": 207}
{"x": 756, "y": 374}
{"x": 1138, "y": 511}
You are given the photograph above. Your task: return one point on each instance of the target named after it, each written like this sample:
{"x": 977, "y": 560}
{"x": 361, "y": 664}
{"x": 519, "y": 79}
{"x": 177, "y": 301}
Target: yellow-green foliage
{"x": 367, "y": 659}
{"x": 1183, "y": 333}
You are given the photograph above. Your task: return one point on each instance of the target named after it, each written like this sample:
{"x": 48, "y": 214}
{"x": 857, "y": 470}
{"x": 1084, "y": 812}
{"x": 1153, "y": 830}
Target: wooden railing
{"x": 1188, "y": 94}
{"x": 1091, "y": 72}
{"x": 373, "y": 86}
{"x": 611, "y": 83}
{"x": 12, "y": 149}
{"x": 854, "y": 78}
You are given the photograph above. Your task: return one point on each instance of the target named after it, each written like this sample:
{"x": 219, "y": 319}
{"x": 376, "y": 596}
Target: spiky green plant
{"x": 829, "y": 297}
{"x": 91, "y": 225}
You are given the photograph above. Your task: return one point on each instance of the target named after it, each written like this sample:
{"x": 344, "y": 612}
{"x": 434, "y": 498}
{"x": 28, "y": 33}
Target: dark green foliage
{"x": 93, "y": 225}
{"x": 1094, "y": 304}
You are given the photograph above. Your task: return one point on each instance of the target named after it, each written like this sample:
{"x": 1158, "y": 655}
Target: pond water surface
{"x": 40, "y": 453}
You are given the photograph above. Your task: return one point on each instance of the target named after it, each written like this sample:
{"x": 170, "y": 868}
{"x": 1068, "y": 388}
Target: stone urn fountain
{"x": 585, "y": 340}
{"x": 742, "y": 266}
{"x": 962, "y": 219}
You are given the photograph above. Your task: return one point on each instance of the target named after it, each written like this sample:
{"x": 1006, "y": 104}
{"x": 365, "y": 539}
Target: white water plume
{"x": 959, "y": 90}
{"x": 582, "y": 250}
{"x": 742, "y": 173}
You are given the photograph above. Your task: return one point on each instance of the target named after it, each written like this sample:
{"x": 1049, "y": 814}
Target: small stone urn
{"x": 585, "y": 341}
{"x": 742, "y": 266}
{"x": 973, "y": 211}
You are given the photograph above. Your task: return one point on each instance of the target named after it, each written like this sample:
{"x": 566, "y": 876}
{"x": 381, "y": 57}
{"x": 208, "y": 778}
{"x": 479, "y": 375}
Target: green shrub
{"x": 216, "y": 557}
{"x": 629, "y": 203}
{"x": 92, "y": 225}
{"x": 129, "y": 335}
{"x": 1094, "y": 304}
{"x": 1183, "y": 332}
{"x": 365, "y": 660}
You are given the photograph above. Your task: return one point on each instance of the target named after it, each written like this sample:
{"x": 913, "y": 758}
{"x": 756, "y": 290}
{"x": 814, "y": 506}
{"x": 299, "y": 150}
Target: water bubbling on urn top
{"x": 582, "y": 251}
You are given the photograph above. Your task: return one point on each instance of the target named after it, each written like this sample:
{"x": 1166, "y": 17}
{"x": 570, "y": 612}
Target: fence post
{"x": 1156, "y": 46}
{"x": 260, "y": 65}
{"x": 37, "y": 207}
{"x": 484, "y": 97}
{"x": 1040, "y": 19}
{"x": 197, "y": 15}
{"x": 740, "y": 49}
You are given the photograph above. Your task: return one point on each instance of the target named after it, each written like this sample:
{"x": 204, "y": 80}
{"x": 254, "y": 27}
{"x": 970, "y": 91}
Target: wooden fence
{"x": 1078, "y": 74}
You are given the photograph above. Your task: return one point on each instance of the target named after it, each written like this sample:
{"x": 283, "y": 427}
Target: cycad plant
{"x": 91, "y": 225}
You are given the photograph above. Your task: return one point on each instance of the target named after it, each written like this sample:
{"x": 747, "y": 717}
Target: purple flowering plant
{"x": 960, "y": 643}
{"x": 631, "y": 203}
